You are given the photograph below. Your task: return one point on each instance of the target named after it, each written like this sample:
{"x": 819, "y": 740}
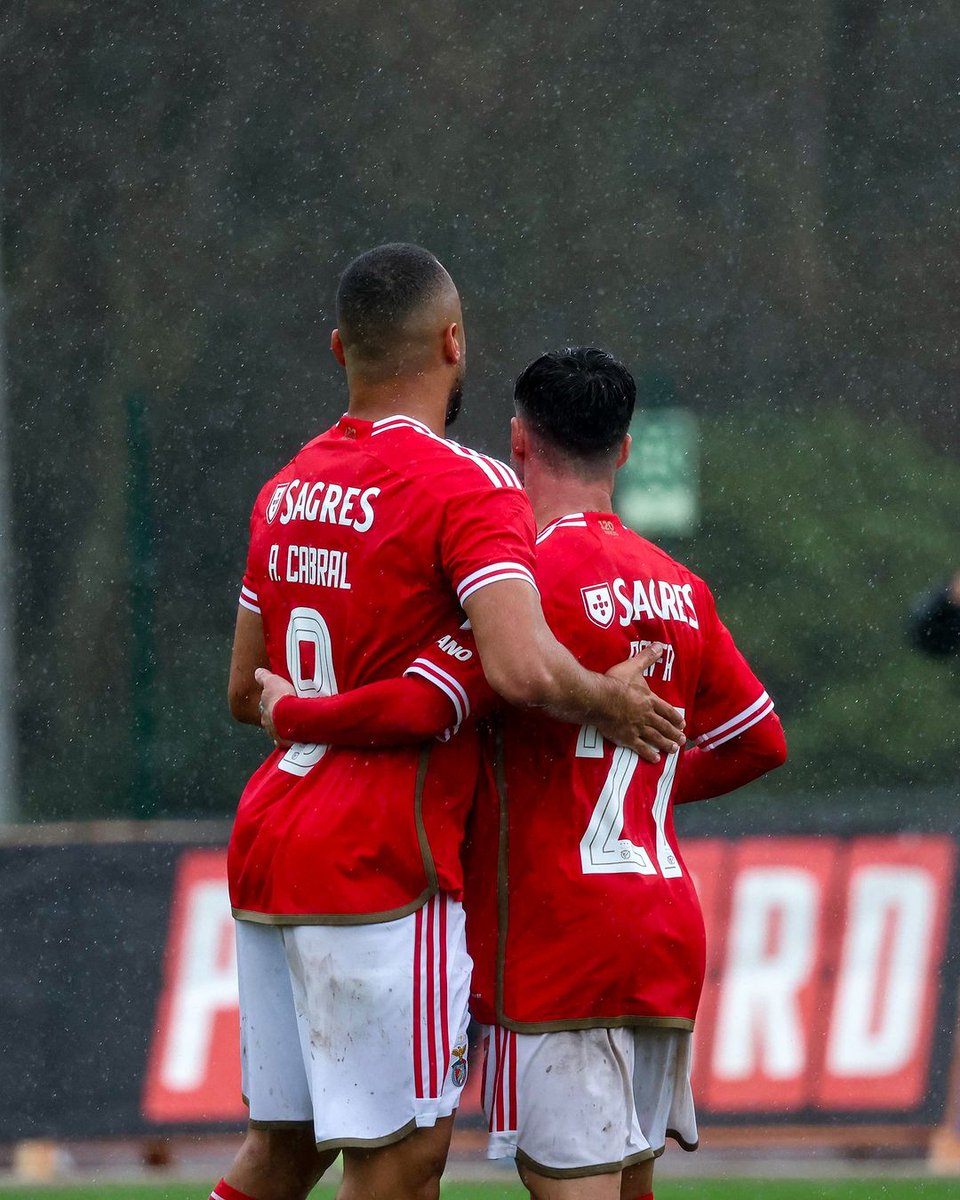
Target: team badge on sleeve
{"x": 598, "y": 602}
{"x": 275, "y": 500}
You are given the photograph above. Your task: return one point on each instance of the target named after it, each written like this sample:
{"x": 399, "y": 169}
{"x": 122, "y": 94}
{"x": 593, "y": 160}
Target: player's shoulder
{"x": 601, "y": 540}
{"x": 571, "y": 551}
{"x": 660, "y": 560}
{"x": 661, "y": 566}
{"x": 595, "y": 550}
{"x": 273, "y": 489}
{"x": 411, "y": 448}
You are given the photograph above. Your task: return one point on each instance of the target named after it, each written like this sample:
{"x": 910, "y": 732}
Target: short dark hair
{"x": 379, "y": 290}
{"x": 579, "y": 399}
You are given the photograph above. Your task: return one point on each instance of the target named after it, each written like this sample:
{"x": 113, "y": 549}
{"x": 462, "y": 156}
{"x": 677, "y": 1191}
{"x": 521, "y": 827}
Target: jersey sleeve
{"x": 729, "y": 699}
{"x": 440, "y": 689}
{"x": 702, "y": 774}
{"x": 452, "y": 664}
{"x": 394, "y": 712}
{"x": 248, "y": 597}
{"x": 487, "y": 535}
{"x": 249, "y": 588}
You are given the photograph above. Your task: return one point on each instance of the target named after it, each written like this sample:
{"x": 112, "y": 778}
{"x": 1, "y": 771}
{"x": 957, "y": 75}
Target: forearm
{"x": 567, "y": 691}
{"x": 526, "y": 665}
{"x": 702, "y": 774}
{"x": 392, "y": 713}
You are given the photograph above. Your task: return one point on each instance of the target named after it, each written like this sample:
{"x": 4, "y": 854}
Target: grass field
{"x": 693, "y": 1189}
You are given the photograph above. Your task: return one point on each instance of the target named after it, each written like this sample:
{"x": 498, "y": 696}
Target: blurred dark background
{"x": 752, "y": 199}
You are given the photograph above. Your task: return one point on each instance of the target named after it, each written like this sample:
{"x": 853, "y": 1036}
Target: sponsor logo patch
{"x": 598, "y": 601}
{"x": 275, "y": 500}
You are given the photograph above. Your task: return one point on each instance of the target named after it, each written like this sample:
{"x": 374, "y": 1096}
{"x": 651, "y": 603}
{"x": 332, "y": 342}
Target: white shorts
{"x": 587, "y": 1101}
{"x": 359, "y": 1030}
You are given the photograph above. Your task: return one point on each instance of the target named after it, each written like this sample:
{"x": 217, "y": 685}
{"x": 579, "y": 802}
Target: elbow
{"x": 776, "y": 754}
{"x": 241, "y": 707}
{"x": 777, "y": 759}
{"x": 235, "y": 705}
{"x": 524, "y": 684}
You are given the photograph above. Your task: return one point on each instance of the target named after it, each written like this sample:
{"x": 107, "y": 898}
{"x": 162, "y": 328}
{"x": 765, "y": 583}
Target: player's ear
{"x": 452, "y": 349}
{"x": 518, "y": 440}
{"x": 624, "y": 452}
{"x": 336, "y": 345}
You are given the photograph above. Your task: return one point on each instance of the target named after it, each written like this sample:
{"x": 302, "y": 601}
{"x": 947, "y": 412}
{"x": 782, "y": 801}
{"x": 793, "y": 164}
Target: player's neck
{"x": 421, "y": 397}
{"x": 553, "y": 496}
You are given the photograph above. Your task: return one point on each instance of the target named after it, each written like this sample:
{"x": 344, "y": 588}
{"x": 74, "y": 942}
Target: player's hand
{"x": 274, "y": 686}
{"x": 648, "y": 724}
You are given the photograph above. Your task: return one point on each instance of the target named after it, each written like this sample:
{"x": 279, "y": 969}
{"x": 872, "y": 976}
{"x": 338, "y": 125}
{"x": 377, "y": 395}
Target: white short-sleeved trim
{"x": 493, "y": 574}
{"x": 249, "y": 599}
{"x": 452, "y": 688}
{"x": 736, "y": 725}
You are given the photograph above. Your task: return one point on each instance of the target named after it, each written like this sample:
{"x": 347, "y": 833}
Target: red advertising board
{"x": 824, "y": 974}
{"x": 824, "y": 982}
{"x": 193, "y": 1072}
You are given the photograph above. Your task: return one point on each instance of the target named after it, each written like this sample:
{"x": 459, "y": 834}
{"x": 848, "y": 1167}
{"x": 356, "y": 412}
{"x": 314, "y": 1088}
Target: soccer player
{"x": 344, "y": 867}
{"x": 582, "y": 919}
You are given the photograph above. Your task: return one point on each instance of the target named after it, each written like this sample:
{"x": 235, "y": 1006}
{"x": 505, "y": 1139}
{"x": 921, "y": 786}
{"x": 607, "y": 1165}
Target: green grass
{"x": 669, "y": 1189}
{"x": 810, "y": 1189}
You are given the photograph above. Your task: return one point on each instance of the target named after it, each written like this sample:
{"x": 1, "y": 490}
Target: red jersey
{"x": 580, "y": 909}
{"x": 362, "y": 547}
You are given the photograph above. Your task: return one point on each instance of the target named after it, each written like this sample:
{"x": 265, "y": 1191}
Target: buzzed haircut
{"x": 578, "y": 400}
{"x": 380, "y": 290}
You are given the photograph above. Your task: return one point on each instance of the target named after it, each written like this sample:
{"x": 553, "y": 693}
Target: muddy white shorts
{"x": 587, "y": 1101}
{"x": 359, "y": 1030}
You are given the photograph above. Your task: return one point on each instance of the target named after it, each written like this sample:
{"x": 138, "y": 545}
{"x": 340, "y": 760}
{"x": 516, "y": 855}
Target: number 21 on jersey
{"x": 603, "y": 848}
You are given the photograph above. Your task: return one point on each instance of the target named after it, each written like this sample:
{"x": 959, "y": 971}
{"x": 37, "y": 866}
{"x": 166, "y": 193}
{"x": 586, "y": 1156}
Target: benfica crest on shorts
{"x": 274, "y": 506}
{"x": 598, "y": 602}
{"x": 458, "y": 1068}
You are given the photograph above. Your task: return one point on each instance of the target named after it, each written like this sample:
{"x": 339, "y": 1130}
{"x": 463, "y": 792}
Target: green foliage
{"x": 819, "y": 529}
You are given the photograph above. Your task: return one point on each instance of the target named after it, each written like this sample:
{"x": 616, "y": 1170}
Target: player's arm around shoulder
{"x": 526, "y": 665}
{"x": 487, "y": 549}
{"x": 442, "y": 688}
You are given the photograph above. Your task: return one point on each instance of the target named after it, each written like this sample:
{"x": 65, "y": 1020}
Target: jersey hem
{"x": 304, "y": 1124}
{"x": 610, "y": 1168}
{"x": 374, "y": 918}
{"x": 347, "y": 1143}
{"x": 585, "y": 1172}
{"x": 377, "y": 918}
{"x": 690, "y": 1147}
{"x": 561, "y": 1026}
